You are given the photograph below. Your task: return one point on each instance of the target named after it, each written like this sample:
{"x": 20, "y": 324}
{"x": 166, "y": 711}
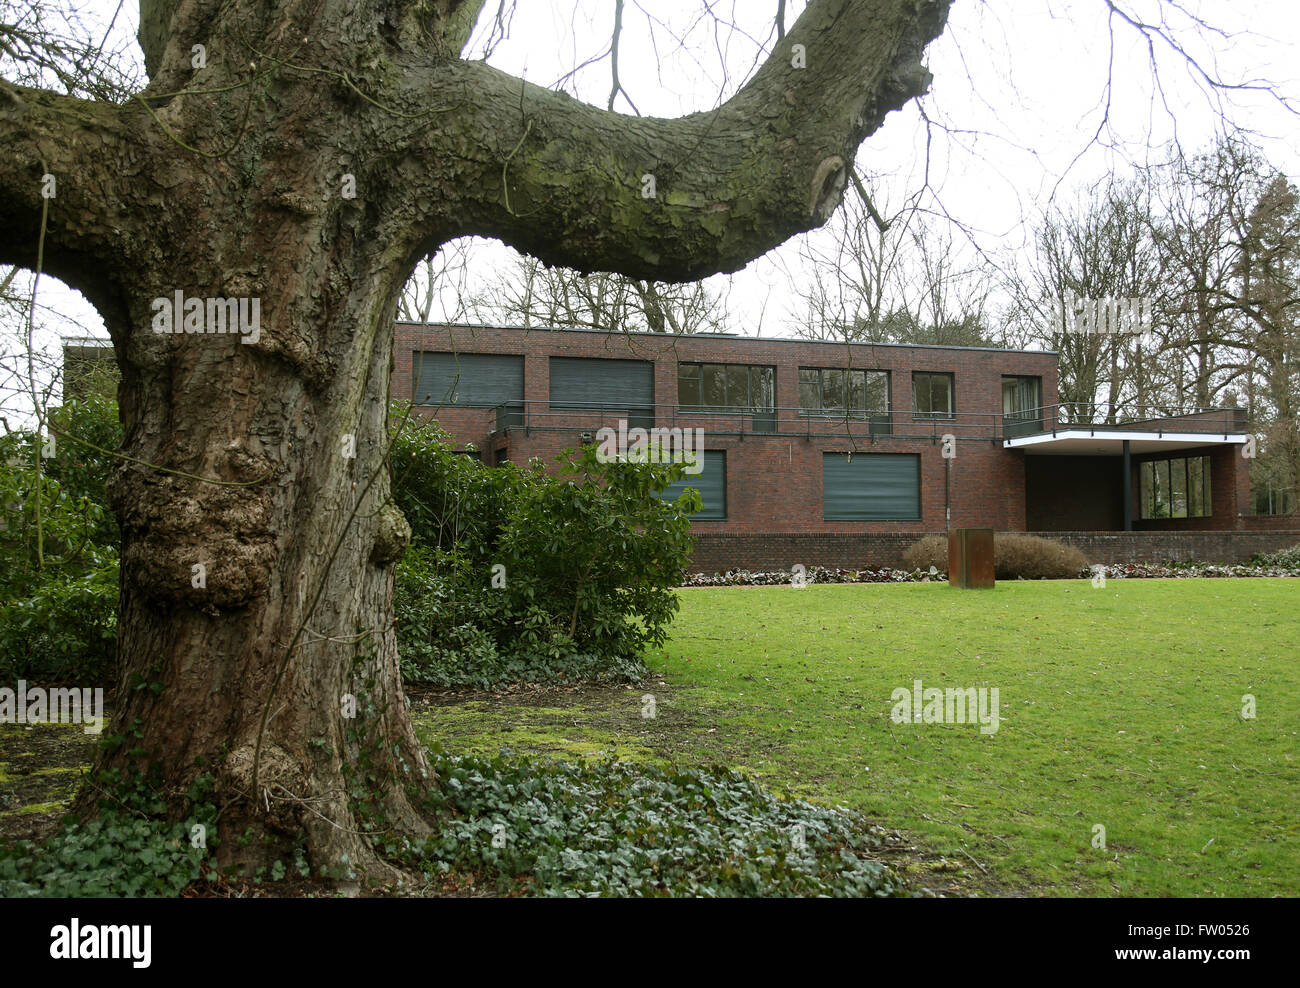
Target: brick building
{"x": 844, "y": 454}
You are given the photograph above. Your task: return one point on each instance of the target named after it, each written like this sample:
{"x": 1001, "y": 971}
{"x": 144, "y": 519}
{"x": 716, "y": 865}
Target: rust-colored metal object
{"x": 970, "y": 558}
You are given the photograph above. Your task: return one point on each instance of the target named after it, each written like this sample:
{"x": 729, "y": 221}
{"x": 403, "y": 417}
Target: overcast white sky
{"x": 1020, "y": 85}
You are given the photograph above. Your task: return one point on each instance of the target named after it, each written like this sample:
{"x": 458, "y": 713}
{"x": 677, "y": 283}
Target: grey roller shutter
{"x": 711, "y": 482}
{"x": 581, "y": 382}
{"x": 871, "y": 487}
{"x": 481, "y": 380}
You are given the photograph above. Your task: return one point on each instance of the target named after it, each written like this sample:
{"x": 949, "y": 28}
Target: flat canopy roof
{"x": 1087, "y": 441}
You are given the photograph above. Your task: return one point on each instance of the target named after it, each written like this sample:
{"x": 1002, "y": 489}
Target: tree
{"x": 1101, "y": 248}
{"x": 891, "y": 276}
{"x": 307, "y": 158}
{"x": 532, "y": 294}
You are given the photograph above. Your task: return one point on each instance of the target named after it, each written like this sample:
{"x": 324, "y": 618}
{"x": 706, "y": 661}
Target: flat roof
{"x": 86, "y": 341}
{"x": 719, "y": 336}
{"x": 1087, "y": 441}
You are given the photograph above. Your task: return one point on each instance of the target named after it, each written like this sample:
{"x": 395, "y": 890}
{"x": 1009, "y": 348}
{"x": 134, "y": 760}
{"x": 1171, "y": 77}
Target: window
{"x": 726, "y": 388}
{"x": 1021, "y": 398}
{"x": 932, "y": 395}
{"x": 626, "y": 386}
{"x": 835, "y": 391}
{"x": 584, "y": 382}
{"x": 482, "y": 380}
{"x": 1177, "y": 487}
{"x": 871, "y": 487}
{"x": 711, "y": 482}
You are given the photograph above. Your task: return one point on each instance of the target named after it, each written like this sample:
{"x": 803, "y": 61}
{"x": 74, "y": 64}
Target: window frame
{"x": 719, "y": 456}
{"x": 1157, "y": 488}
{"x": 846, "y": 389}
{"x": 951, "y": 414}
{"x": 705, "y": 407}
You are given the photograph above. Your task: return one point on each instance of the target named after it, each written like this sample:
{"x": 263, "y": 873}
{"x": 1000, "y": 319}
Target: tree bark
{"x": 229, "y": 181}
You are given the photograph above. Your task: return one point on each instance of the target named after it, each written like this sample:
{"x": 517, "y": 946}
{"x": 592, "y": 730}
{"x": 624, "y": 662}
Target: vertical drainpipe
{"x": 1128, "y": 490}
{"x": 947, "y": 495}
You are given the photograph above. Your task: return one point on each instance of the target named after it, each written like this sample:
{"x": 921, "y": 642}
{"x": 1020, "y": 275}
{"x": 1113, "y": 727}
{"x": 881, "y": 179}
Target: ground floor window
{"x": 711, "y": 482}
{"x": 1176, "y": 487}
{"x": 871, "y": 486}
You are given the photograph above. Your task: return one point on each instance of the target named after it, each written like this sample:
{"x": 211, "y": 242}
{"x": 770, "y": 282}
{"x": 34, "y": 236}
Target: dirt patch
{"x": 41, "y": 769}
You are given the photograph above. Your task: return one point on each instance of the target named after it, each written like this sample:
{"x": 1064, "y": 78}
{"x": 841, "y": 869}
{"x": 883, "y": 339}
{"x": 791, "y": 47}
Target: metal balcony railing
{"x": 543, "y": 416}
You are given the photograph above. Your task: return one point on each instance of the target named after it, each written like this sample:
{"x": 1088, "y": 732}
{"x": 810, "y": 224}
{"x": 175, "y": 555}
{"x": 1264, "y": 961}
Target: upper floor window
{"x": 838, "y": 391}
{"x": 1021, "y": 405}
{"x": 479, "y": 380}
{"x": 726, "y": 388}
{"x": 588, "y": 382}
{"x": 932, "y": 395}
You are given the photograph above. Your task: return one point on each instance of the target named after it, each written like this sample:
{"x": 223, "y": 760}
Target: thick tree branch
{"x": 672, "y": 199}
{"x": 87, "y": 151}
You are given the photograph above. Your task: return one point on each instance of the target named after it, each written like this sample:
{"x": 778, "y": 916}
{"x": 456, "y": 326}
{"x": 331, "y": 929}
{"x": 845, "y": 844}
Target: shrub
{"x": 1288, "y": 558}
{"x": 1015, "y": 557}
{"x": 931, "y": 551}
{"x": 65, "y": 629}
{"x": 58, "y": 552}
{"x": 1027, "y": 557}
{"x": 516, "y": 574}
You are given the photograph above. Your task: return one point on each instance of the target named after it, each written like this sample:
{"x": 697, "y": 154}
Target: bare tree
{"x": 887, "y": 275}
{"x": 532, "y": 294}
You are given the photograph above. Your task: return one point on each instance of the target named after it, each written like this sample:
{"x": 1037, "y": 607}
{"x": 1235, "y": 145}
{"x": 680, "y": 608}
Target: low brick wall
{"x": 1169, "y": 547}
{"x": 718, "y": 553}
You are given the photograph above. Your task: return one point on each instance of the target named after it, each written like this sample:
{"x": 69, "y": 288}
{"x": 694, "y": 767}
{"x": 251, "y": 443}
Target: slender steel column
{"x": 1128, "y": 490}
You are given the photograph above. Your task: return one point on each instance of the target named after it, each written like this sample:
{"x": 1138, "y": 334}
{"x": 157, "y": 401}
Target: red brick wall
{"x": 719, "y": 553}
{"x": 774, "y": 482}
{"x": 1072, "y": 493}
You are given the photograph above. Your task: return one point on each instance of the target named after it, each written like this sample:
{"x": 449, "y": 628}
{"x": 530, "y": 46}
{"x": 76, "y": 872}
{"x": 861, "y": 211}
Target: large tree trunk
{"x": 230, "y": 183}
{"x": 297, "y": 538}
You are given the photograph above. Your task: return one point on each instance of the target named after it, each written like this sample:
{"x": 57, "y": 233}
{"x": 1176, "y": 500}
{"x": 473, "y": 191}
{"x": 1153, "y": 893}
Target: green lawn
{"x": 1120, "y": 706}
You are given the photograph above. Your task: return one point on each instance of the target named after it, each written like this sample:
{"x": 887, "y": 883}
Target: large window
{"x": 840, "y": 392}
{"x": 726, "y": 388}
{"x": 587, "y": 382}
{"x": 605, "y": 384}
{"x": 1021, "y": 401}
{"x": 711, "y": 482}
{"x": 871, "y": 487}
{"x": 480, "y": 380}
{"x": 932, "y": 395}
{"x": 1177, "y": 487}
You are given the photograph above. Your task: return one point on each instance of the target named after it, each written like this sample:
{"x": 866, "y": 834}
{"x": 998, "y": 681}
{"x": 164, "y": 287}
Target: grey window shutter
{"x": 472, "y": 379}
{"x": 711, "y": 482}
{"x": 585, "y": 382}
{"x": 871, "y": 487}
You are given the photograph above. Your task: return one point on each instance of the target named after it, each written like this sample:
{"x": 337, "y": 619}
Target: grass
{"x": 1120, "y": 707}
